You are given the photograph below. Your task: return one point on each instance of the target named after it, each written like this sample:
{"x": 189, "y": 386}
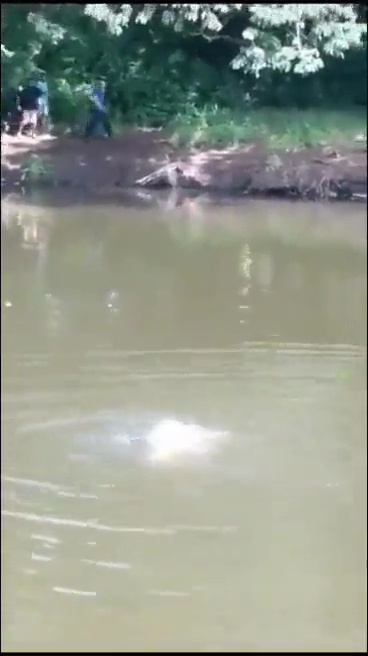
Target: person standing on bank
{"x": 44, "y": 108}
{"x": 29, "y": 99}
{"x": 10, "y": 109}
{"x": 98, "y": 116}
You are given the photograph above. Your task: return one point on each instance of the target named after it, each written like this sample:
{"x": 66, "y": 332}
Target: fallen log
{"x": 164, "y": 176}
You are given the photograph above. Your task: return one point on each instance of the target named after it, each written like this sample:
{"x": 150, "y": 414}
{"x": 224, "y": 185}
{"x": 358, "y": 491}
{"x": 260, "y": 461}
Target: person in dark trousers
{"x": 29, "y": 100}
{"x": 98, "y": 116}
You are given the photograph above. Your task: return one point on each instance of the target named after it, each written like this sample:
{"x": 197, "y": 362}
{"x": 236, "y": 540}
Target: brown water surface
{"x": 238, "y": 332}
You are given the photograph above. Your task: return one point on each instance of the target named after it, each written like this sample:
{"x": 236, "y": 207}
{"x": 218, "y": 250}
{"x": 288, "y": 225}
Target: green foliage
{"x": 163, "y": 60}
{"x": 297, "y": 37}
{"x": 288, "y": 37}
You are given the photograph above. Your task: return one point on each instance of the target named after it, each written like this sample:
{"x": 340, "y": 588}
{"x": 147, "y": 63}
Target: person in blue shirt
{"x": 98, "y": 116}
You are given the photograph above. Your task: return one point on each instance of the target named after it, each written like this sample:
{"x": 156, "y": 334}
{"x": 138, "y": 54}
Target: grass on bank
{"x": 278, "y": 129}
{"x": 224, "y": 128}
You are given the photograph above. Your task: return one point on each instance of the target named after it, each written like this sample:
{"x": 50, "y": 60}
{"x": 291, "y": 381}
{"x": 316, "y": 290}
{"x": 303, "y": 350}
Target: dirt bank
{"x": 147, "y": 159}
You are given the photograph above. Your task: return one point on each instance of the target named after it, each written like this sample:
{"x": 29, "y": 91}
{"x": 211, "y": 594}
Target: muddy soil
{"x": 147, "y": 159}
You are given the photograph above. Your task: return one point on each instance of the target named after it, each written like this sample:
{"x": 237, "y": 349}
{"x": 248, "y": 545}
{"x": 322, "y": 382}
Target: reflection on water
{"x": 183, "y": 428}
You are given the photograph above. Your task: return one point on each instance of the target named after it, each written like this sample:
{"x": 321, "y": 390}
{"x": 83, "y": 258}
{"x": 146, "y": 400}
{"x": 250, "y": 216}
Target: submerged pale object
{"x": 170, "y": 439}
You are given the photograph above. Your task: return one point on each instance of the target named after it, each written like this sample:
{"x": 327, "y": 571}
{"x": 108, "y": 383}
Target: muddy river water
{"x": 183, "y": 426}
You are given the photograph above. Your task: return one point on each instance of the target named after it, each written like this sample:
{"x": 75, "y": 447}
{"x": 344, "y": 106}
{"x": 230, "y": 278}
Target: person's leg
{"x": 42, "y": 120}
{"x": 45, "y": 120}
{"x": 92, "y": 124}
{"x": 107, "y": 125}
{"x": 23, "y": 120}
{"x": 6, "y": 121}
{"x": 29, "y": 118}
{"x": 16, "y": 119}
{"x": 33, "y": 123}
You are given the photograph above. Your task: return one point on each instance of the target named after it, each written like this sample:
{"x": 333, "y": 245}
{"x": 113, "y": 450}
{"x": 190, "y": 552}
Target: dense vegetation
{"x": 163, "y": 61}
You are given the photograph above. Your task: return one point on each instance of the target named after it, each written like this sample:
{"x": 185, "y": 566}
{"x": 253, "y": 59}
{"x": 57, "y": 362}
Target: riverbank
{"x": 150, "y": 159}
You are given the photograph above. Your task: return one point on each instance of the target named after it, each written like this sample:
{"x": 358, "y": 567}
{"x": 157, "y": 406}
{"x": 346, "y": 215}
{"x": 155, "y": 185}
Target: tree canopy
{"x": 159, "y": 57}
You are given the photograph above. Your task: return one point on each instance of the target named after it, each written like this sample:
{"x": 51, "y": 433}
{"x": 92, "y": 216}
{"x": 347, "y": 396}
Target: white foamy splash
{"x": 170, "y": 440}
{"x": 147, "y": 439}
